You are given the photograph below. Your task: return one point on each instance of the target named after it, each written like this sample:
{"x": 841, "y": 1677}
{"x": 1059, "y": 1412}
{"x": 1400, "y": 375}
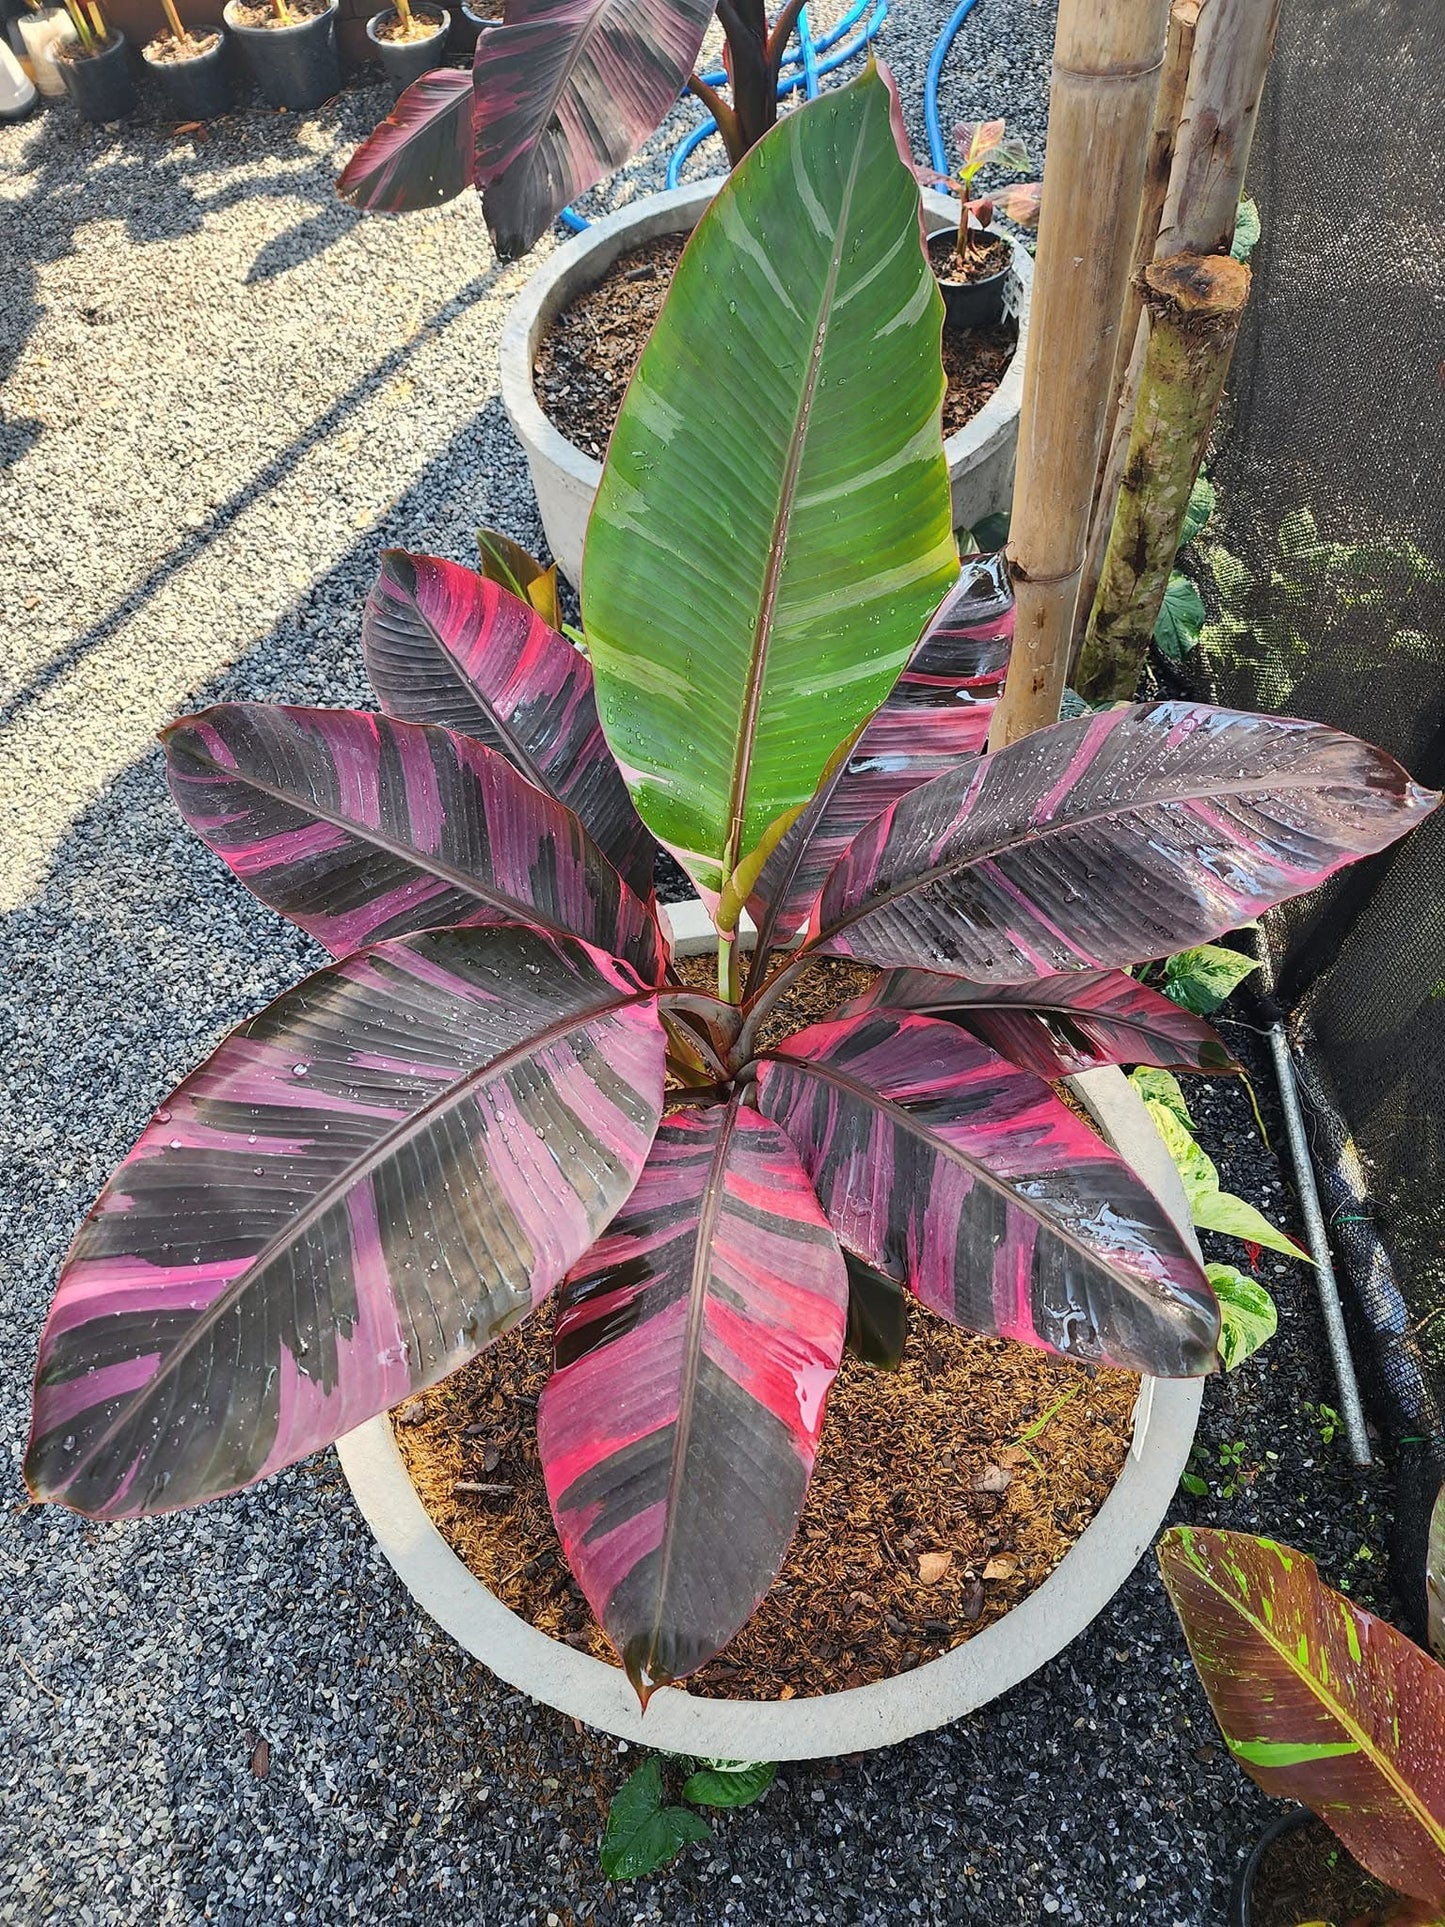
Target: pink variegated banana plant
{"x": 502, "y": 1088}
{"x": 561, "y": 93}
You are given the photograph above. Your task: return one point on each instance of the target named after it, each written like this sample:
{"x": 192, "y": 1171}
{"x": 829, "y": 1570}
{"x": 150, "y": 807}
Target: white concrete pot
{"x": 943, "y": 1689}
{"x": 980, "y": 455}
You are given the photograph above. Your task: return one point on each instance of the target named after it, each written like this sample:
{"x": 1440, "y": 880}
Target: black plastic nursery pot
{"x": 1243, "y": 1908}
{"x": 101, "y": 84}
{"x": 976, "y": 304}
{"x": 403, "y": 61}
{"x": 198, "y": 88}
{"x": 468, "y": 26}
{"x": 295, "y": 67}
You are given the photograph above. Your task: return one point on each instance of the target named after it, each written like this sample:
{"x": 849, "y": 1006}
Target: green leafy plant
{"x": 1202, "y": 978}
{"x": 505, "y": 1086}
{"x": 1247, "y": 1314}
{"x": 92, "y": 32}
{"x": 1212, "y": 1208}
{"x": 644, "y": 1834}
{"x": 1318, "y": 1700}
{"x": 1247, "y": 230}
{"x": 1182, "y": 612}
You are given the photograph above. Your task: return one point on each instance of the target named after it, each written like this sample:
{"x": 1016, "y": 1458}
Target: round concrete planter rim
{"x": 943, "y": 1689}
{"x": 541, "y": 299}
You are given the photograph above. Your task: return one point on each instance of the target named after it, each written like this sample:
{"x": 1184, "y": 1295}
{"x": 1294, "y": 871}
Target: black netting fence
{"x": 1324, "y": 569}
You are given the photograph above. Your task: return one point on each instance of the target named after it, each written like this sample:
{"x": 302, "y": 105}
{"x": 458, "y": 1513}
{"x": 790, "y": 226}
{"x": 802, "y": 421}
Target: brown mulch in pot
{"x": 166, "y": 51}
{"x": 424, "y": 23}
{"x": 587, "y": 356}
{"x": 994, "y": 257}
{"x": 260, "y": 13}
{"x": 943, "y": 1493}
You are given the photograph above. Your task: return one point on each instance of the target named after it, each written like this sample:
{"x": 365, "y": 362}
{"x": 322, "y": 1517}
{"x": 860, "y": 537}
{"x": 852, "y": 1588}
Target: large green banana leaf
{"x": 773, "y": 527}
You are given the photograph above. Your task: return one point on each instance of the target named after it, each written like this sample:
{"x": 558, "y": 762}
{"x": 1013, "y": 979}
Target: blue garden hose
{"x": 808, "y": 69}
{"x": 937, "y": 152}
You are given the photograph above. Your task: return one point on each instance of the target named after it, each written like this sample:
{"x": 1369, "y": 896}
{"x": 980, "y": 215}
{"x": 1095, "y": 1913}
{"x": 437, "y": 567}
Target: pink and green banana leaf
{"x": 358, "y": 828}
{"x": 695, "y": 1347}
{"x": 951, "y": 1171}
{"x": 1122, "y": 836}
{"x": 363, "y": 1186}
{"x": 1318, "y": 1700}
{"x": 1058, "y": 1026}
{"x": 936, "y": 716}
{"x": 444, "y": 645}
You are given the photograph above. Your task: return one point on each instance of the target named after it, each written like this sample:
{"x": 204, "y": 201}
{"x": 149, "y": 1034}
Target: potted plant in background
{"x": 409, "y": 41}
{"x": 558, "y": 98}
{"x": 1323, "y": 1703}
{"x": 191, "y": 67}
{"x": 504, "y": 1085}
{"x": 94, "y": 63}
{"x": 975, "y": 271}
{"x": 289, "y": 47}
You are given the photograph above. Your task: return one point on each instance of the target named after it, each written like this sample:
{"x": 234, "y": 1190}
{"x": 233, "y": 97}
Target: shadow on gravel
{"x": 267, "y": 478}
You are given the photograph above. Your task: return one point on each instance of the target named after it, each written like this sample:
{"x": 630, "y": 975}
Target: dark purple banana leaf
{"x": 366, "y": 1184}
{"x": 695, "y": 1346}
{"x": 357, "y": 828}
{"x": 1122, "y": 836}
{"x": 936, "y": 716}
{"x": 423, "y": 153}
{"x": 1057, "y": 1026}
{"x": 566, "y": 90}
{"x": 953, "y": 1172}
{"x": 444, "y": 645}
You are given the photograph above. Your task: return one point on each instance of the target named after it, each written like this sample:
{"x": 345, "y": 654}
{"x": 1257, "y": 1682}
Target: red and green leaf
{"x": 953, "y": 1172}
{"x": 423, "y": 153}
{"x": 357, "y": 828}
{"x": 1118, "y": 837}
{"x": 365, "y": 1184}
{"x": 936, "y": 716}
{"x": 566, "y": 90}
{"x": 445, "y": 645}
{"x": 1318, "y": 1699}
{"x": 1057, "y": 1026}
{"x": 695, "y": 1346}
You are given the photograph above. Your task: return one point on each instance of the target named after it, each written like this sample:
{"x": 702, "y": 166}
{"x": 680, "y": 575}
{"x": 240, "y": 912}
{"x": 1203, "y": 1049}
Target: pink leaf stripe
{"x": 364, "y": 1185}
{"x": 357, "y": 828}
{"x": 951, "y": 1171}
{"x": 565, "y": 91}
{"x": 444, "y": 645}
{"x": 695, "y": 1344}
{"x": 1319, "y": 1701}
{"x": 423, "y": 153}
{"x": 936, "y": 717}
{"x": 1056, "y": 1026}
{"x": 1122, "y": 836}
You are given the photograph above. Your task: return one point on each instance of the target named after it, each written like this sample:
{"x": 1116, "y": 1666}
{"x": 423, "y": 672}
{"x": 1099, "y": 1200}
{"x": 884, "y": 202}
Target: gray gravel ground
{"x": 225, "y": 394}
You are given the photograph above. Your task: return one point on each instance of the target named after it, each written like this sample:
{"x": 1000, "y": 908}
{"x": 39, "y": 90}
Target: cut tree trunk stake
{"x": 1194, "y": 305}
{"x": 1107, "y": 58}
{"x": 1129, "y": 354}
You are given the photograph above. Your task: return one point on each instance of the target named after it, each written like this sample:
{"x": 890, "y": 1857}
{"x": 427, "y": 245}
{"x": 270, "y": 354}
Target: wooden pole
{"x": 1232, "y": 50}
{"x": 1107, "y": 59}
{"x": 1129, "y": 355}
{"x": 1233, "y": 42}
{"x": 1195, "y": 303}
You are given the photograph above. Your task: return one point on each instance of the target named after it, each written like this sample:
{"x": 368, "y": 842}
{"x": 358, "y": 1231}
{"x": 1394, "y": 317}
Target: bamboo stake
{"x": 1107, "y": 58}
{"x": 1195, "y": 303}
{"x": 179, "y": 31}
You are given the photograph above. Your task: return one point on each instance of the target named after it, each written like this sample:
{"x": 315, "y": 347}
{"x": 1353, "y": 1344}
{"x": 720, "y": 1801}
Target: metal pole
{"x": 1351, "y": 1410}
